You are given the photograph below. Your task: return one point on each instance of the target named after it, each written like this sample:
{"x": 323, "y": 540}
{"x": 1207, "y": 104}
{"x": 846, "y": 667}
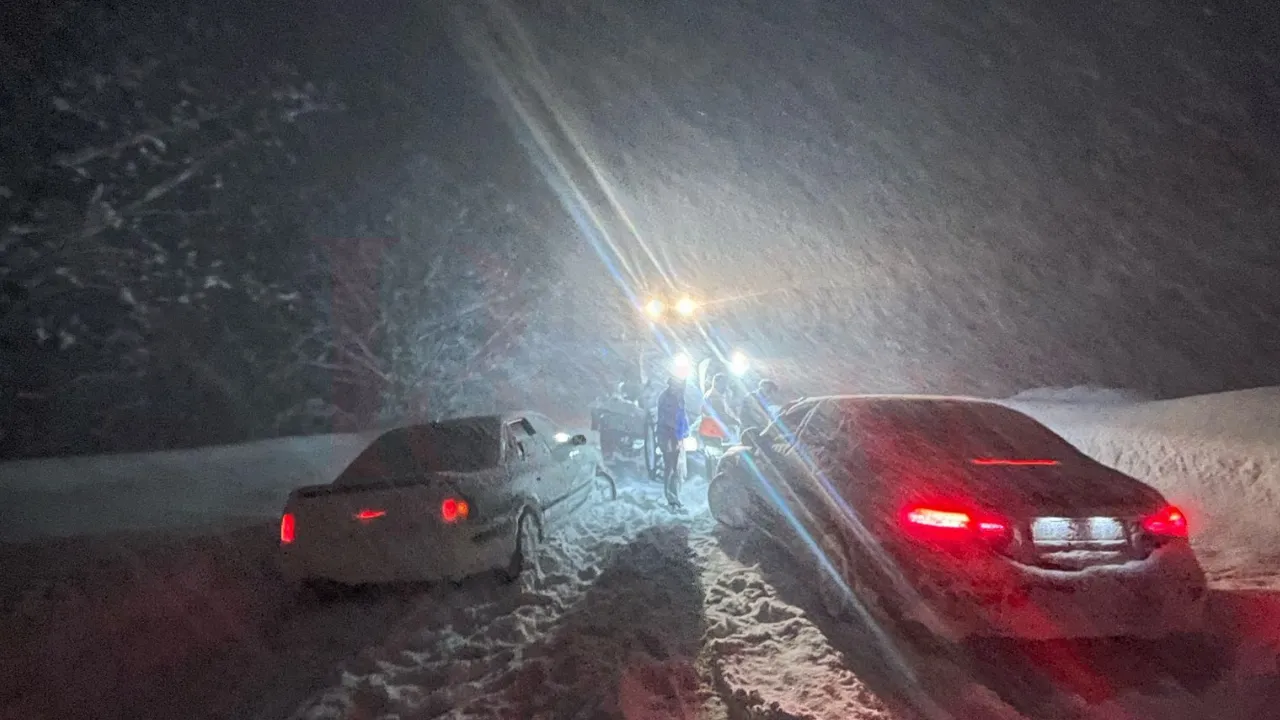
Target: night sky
{"x": 972, "y": 197}
{"x": 998, "y": 196}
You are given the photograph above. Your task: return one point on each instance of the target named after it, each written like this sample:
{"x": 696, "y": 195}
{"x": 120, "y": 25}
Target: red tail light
{"x": 370, "y": 514}
{"x": 1167, "y": 522}
{"x": 954, "y": 526}
{"x": 942, "y": 519}
{"x": 453, "y": 510}
{"x": 288, "y": 528}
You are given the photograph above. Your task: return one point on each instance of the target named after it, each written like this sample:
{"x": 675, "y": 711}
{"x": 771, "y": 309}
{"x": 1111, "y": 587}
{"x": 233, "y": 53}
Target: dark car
{"x": 965, "y": 518}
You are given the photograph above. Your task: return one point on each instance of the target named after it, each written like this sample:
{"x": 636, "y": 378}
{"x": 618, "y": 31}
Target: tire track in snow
{"x": 768, "y": 660}
{"x": 640, "y": 616}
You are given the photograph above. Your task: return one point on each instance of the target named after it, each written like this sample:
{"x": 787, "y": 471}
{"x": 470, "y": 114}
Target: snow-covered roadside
{"x": 183, "y": 491}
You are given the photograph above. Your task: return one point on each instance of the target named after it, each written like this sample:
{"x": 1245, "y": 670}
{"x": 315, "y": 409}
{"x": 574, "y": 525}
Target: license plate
{"x": 1053, "y": 530}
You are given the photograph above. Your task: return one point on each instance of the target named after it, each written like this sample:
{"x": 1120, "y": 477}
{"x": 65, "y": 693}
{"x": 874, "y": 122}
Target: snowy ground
{"x": 641, "y": 614}
{"x": 181, "y": 491}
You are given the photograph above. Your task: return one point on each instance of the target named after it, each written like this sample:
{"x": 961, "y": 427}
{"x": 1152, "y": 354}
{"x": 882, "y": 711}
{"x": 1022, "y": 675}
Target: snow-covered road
{"x": 641, "y": 614}
{"x": 646, "y": 615}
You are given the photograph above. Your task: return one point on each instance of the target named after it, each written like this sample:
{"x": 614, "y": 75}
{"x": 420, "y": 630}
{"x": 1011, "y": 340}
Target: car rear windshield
{"x": 961, "y": 432}
{"x": 466, "y": 445}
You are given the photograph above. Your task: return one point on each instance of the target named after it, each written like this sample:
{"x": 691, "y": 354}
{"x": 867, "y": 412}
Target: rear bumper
{"x": 396, "y": 562}
{"x": 1162, "y": 595}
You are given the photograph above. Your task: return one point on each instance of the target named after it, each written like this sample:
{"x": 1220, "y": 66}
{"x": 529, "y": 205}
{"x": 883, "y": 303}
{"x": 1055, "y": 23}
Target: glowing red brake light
{"x": 929, "y": 517}
{"x": 288, "y": 528}
{"x": 1168, "y": 522}
{"x": 951, "y": 526}
{"x": 993, "y": 529}
{"x": 453, "y": 510}
{"x": 370, "y": 514}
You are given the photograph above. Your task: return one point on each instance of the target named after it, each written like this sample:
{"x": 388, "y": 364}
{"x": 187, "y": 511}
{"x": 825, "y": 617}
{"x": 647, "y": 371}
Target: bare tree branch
{"x": 164, "y": 188}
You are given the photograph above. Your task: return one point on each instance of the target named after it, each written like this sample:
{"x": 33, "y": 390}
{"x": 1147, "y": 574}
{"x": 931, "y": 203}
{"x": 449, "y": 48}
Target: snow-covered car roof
{"x": 892, "y": 397}
{"x": 463, "y": 445}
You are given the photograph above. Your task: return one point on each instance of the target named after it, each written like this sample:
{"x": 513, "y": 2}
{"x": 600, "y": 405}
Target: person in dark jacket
{"x": 673, "y": 428}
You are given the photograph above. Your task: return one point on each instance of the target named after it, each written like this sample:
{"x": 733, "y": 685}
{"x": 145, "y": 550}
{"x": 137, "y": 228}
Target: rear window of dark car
{"x": 466, "y": 445}
{"x": 959, "y": 432}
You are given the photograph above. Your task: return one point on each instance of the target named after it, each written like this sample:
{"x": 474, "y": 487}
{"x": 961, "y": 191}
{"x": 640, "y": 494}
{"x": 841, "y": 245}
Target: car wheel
{"x": 729, "y": 501}
{"x": 654, "y": 463}
{"x": 847, "y": 589}
{"x": 834, "y": 589}
{"x": 528, "y": 547}
{"x": 605, "y": 483}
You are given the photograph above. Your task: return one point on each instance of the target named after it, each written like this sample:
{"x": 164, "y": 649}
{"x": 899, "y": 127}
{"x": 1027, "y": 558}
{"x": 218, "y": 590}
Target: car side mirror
{"x": 578, "y": 440}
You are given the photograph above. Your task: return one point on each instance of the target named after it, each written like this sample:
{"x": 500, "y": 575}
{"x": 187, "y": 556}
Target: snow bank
{"x": 1217, "y": 456}
{"x": 228, "y": 486}
{"x": 1080, "y": 394}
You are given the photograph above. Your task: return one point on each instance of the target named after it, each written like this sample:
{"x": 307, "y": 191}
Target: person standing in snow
{"x": 673, "y": 428}
{"x": 713, "y": 429}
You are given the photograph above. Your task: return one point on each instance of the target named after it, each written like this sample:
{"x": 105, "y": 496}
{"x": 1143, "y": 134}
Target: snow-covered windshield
{"x": 466, "y": 445}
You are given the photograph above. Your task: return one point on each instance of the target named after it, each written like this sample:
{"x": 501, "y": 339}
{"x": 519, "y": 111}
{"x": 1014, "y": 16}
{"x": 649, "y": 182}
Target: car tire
{"x": 729, "y": 500}
{"x": 525, "y": 559}
{"x": 606, "y": 484}
{"x": 834, "y": 591}
{"x": 850, "y": 585}
{"x": 652, "y": 460}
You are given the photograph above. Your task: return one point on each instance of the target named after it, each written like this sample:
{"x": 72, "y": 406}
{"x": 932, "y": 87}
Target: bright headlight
{"x": 739, "y": 363}
{"x": 686, "y": 306}
{"x": 681, "y": 365}
{"x": 654, "y": 308}
{"x": 562, "y": 437}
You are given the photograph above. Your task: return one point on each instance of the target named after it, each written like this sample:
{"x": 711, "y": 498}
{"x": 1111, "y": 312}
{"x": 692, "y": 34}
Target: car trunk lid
{"x": 1067, "y": 515}
{"x": 375, "y": 514}
{"x": 1071, "y": 516}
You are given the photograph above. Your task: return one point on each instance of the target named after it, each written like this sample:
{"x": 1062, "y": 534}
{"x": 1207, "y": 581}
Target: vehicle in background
{"x": 442, "y": 501}
{"x": 676, "y": 338}
{"x": 624, "y": 426}
{"x": 964, "y": 519}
